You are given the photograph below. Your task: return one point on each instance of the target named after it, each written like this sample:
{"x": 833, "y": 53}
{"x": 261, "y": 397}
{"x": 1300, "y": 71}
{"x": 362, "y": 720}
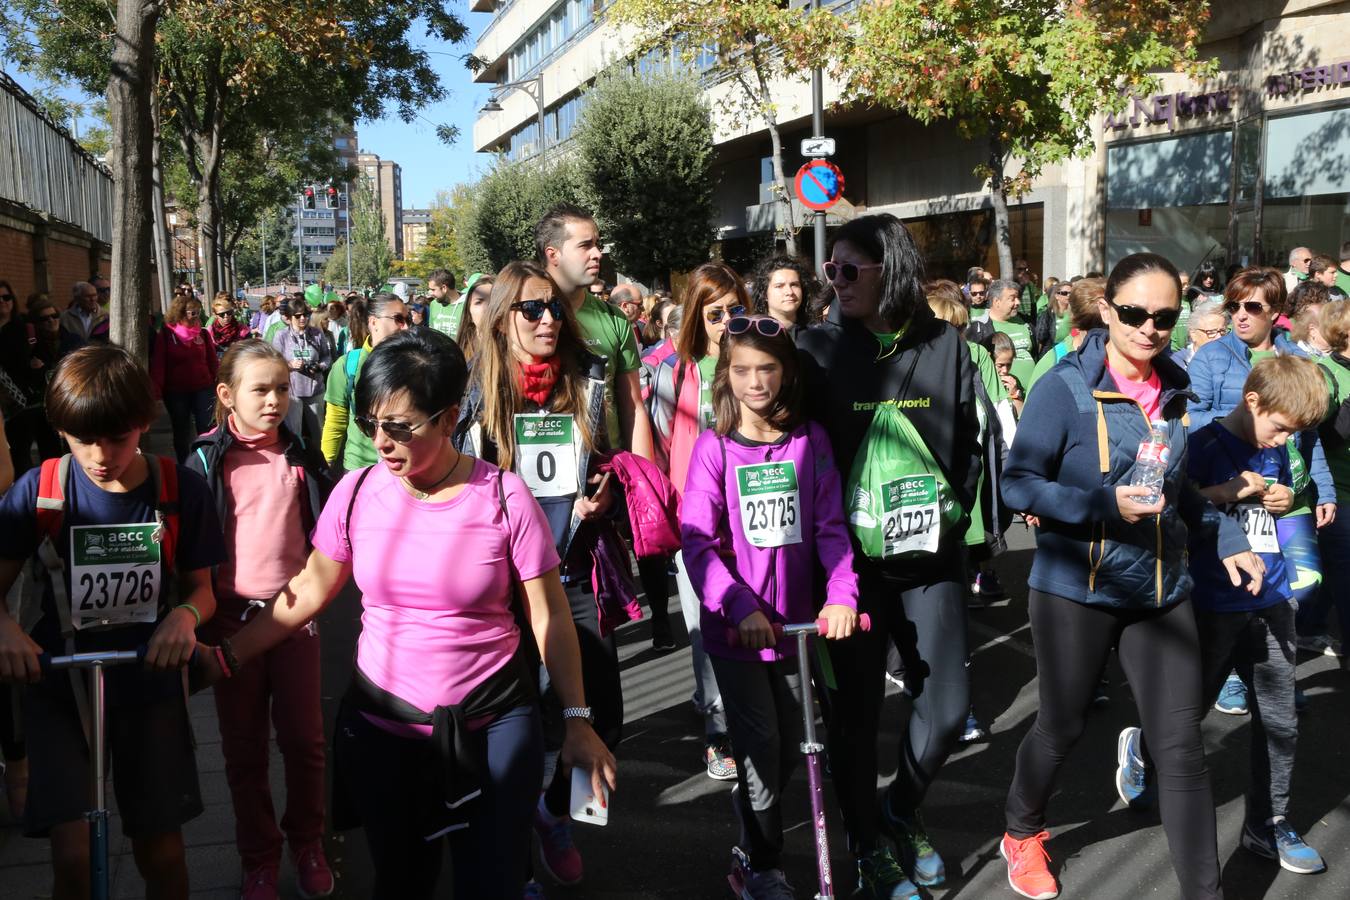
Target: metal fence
{"x": 44, "y": 169}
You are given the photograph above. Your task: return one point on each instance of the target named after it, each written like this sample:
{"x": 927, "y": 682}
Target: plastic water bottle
{"x": 1150, "y": 463}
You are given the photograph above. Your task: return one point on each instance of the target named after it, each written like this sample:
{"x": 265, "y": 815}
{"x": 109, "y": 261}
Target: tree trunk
{"x": 765, "y": 100}
{"x": 163, "y": 251}
{"x": 1002, "y": 225}
{"x": 130, "y": 87}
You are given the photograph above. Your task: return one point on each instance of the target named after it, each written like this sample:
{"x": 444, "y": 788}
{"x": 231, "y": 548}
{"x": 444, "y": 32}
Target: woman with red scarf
{"x": 535, "y": 406}
{"x": 183, "y": 365}
{"x": 226, "y": 327}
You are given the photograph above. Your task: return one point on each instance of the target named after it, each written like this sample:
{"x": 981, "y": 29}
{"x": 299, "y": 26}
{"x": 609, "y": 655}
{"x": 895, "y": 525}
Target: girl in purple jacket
{"x": 762, "y": 504}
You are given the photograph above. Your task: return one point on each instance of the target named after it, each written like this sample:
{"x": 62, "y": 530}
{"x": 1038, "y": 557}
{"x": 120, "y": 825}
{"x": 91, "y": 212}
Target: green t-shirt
{"x": 1063, "y": 325}
{"x": 1180, "y": 334}
{"x": 609, "y": 335}
{"x": 707, "y": 368}
{"x": 358, "y": 451}
{"x": 445, "y": 317}
{"x": 1338, "y": 460}
{"x": 1048, "y": 360}
{"x": 1258, "y": 355}
{"x": 984, "y": 364}
{"x": 1016, "y": 329}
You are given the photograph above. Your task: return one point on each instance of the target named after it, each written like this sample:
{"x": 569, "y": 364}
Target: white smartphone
{"x": 585, "y": 806}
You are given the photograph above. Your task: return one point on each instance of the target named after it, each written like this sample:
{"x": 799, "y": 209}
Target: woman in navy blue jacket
{"x": 1111, "y": 570}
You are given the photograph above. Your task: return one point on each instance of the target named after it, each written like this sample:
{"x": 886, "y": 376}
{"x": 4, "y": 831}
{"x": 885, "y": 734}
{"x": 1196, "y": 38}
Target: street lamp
{"x": 532, "y": 86}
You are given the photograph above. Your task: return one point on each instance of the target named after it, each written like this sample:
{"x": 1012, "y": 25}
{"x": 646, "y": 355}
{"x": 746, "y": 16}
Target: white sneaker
{"x": 1324, "y": 644}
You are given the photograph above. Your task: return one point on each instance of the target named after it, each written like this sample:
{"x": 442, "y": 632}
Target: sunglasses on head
{"x": 849, "y": 270}
{"x": 398, "y": 432}
{"x": 1136, "y": 316}
{"x": 716, "y": 315}
{"x": 1252, "y": 307}
{"x": 765, "y": 325}
{"x": 533, "y": 310}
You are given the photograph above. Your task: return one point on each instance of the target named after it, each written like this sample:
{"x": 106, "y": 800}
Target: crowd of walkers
{"x": 486, "y": 465}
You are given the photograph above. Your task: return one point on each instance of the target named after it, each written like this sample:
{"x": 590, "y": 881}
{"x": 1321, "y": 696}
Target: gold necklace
{"x": 419, "y": 494}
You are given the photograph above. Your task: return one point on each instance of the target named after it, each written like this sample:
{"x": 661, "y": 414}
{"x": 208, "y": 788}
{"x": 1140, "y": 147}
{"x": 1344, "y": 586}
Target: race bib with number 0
{"x": 770, "y": 503}
{"x": 546, "y": 455}
{"x": 114, "y": 574}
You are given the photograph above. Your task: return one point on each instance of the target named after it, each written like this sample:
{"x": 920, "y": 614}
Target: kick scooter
{"x": 812, "y": 749}
{"x": 99, "y": 885}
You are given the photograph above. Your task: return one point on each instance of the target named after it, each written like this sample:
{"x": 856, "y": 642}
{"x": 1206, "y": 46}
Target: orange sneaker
{"x": 1029, "y": 866}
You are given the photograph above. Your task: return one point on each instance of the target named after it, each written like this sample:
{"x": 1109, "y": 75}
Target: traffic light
{"x": 332, "y": 197}
{"x": 309, "y": 198}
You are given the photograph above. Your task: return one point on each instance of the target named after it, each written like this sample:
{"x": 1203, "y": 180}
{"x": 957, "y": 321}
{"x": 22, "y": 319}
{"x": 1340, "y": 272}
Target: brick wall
{"x": 16, "y": 261}
{"x": 66, "y": 264}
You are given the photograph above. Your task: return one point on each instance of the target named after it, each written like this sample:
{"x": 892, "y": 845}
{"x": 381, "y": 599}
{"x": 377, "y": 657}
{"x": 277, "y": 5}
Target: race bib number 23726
{"x": 114, "y": 574}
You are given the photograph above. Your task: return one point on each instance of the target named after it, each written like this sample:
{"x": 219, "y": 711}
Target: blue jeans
{"x": 1334, "y": 543}
{"x": 184, "y": 407}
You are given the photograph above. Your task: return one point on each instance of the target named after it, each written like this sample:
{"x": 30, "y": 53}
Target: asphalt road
{"x": 671, "y": 828}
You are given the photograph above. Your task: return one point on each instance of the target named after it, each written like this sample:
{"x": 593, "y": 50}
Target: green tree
{"x": 278, "y": 225}
{"x": 446, "y": 246}
{"x": 645, "y": 147}
{"x": 748, "y": 42}
{"x": 372, "y": 258}
{"x": 511, "y": 198}
{"x": 1026, "y": 77}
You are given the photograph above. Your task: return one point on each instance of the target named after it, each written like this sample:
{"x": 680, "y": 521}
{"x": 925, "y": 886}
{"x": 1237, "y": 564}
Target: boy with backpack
{"x": 128, "y": 541}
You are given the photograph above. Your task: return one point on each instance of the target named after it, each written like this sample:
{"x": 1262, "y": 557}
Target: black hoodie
{"x": 928, "y": 371}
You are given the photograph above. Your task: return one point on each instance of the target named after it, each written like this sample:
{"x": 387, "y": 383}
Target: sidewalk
{"x": 213, "y": 863}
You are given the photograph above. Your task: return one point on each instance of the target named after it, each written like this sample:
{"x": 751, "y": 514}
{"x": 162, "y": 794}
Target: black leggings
{"x": 1160, "y": 653}
{"x": 928, "y": 624}
{"x": 11, "y": 735}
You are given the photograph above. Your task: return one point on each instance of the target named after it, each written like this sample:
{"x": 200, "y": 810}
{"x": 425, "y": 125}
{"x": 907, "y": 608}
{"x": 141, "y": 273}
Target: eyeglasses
{"x": 192, "y": 313}
{"x": 398, "y": 432}
{"x": 716, "y": 315}
{"x": 765, "y": 325}
{"x": 1136, "y": 316}
{"x": 1251, "y": 307}
{"x": 533, "y": 310}
{"x": 1211, "y": 333}
{"x": 849, "y": 270}
{"x": 398, "y": 319}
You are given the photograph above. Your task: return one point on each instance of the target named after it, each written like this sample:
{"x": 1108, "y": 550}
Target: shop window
{"x": 1170, "y": 197}
{"x": 1306, "y": 201}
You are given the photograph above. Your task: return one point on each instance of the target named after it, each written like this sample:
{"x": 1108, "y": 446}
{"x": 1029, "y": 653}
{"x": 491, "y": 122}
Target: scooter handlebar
{"x": 51, "y": 663}
{"x": 819, "y": 627}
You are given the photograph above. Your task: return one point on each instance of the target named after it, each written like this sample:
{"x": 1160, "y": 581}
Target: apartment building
{"x": 1236, "y": 170}
{"x": 384, "y": 177}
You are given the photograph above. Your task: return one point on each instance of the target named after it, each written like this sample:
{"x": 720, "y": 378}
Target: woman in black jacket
{"x": 881, "y": 343}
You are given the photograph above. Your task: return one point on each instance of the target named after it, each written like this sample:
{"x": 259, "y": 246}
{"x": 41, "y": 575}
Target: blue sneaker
{"x": 1280, "y": 841}
{"x": 916, "y": 851}
{"x": 1131, "y": 774}
{"x": 533, "y": 890}
{"x": 973, "y": 731}
{"x": 881, "y": 878}
{"x": 1232, "y": 697}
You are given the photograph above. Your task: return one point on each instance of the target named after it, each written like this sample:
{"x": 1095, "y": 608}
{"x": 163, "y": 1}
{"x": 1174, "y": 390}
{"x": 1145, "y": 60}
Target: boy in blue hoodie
{"x": 1240, "y": 462}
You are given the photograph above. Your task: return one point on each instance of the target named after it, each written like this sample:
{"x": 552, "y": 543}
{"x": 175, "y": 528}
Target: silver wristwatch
{"x": 578, "y": 712}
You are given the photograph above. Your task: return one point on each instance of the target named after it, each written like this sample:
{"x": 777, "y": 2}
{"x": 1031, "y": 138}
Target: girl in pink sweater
{"x": 269, "y": 490}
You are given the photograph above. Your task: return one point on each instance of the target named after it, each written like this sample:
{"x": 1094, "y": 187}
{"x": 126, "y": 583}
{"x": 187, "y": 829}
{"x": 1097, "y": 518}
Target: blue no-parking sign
{"x": 819, "y": 184}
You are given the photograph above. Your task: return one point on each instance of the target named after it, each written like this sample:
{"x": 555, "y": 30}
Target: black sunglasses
{"x": 398, "y": 319}
{"x": 850, "y": 271}
{"x": 8, "y": 297}
{"x": 1064, "y": 293}
{"x": 1136, "y": 316}
{"x": 398, "y": 432}
{"x": 50, "y": 317}
{"x": 533, "y": 310}
{"x": 1252, "y": 307}
{"x": 765, "y": 325}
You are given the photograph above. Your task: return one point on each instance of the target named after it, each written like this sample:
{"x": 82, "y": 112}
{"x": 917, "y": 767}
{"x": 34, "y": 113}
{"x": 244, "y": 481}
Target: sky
{"x": 428, "y": 165}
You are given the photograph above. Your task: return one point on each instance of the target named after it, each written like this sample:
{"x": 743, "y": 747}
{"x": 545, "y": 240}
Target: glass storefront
{"x": 1245, "y": 194}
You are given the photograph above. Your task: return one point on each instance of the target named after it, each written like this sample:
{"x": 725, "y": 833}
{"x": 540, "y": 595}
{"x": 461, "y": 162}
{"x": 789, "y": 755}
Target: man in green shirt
{"x": 1343, "y": 272}
{"x": 568, "y": 243}
{"x": 1004, "y": 300}
{"x": 447, "y": 305}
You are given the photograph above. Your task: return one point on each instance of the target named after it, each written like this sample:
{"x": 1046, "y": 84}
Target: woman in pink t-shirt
{"x": 439, "y": 733}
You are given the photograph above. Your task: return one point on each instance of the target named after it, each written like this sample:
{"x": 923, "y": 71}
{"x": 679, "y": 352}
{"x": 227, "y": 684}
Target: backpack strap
{"x": 164, "y": 481}
{"x": 351, "y": 366}
{"x": 351, "y": 504}
{"x": 51, "y": 508}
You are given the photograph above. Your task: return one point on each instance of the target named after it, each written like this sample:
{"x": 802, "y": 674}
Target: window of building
{"x": 1170, "y": 197}
{"x": 1306, "y": 184}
